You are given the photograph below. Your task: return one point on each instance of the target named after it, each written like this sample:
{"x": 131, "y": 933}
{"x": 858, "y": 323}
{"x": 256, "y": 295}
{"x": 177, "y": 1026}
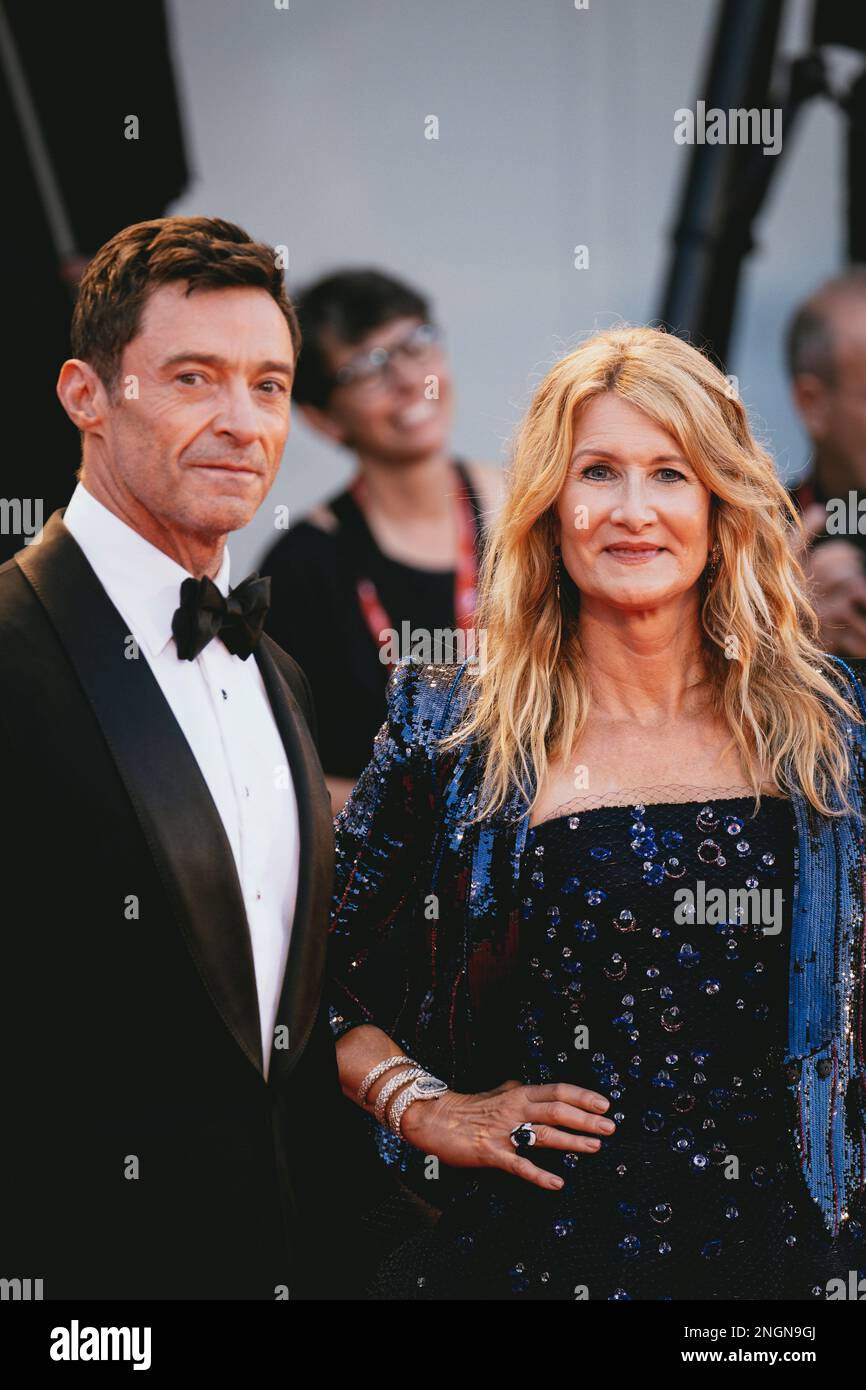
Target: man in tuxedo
{"x": 171, "y": 1107}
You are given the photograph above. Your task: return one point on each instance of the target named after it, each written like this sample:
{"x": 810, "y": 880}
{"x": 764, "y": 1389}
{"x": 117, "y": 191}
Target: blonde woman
{"x": 597, "y": 945}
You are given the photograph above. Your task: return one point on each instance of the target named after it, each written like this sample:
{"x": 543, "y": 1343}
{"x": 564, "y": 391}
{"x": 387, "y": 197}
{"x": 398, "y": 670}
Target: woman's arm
{"x": 472, "y": 1131}
{"x": 380, "y": 836}
{"x": 358, "y": 1052}
{"x": 340, "y": 789}
{"x": 383, "y": 834}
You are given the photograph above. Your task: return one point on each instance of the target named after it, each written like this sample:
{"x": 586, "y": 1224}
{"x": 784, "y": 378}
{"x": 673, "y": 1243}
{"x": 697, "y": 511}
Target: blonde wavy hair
{"x": 530, "y": 697}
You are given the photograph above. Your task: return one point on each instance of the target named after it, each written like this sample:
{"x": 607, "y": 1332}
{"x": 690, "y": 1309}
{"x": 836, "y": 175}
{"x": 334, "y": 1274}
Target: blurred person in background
{"x": 826, "y": 357}
{"x": 401, "y": 543}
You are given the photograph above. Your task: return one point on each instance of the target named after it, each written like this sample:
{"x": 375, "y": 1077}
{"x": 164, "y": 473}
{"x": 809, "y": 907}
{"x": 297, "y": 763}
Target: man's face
{"x": 201, "y": 418}
{"x": 403, "y": 415}
{"x": 835, "y": 415}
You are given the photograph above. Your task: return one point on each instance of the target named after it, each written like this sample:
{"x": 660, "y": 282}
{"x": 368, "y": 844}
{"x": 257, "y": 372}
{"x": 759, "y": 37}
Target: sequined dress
{"x": 675, "y": 1008}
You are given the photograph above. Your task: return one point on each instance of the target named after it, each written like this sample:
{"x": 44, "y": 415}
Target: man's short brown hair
{"x": 206, "y": 251}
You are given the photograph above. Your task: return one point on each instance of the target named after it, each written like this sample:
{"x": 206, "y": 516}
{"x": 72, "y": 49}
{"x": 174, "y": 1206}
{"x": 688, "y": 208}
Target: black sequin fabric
{"x": 673, "y": 1006}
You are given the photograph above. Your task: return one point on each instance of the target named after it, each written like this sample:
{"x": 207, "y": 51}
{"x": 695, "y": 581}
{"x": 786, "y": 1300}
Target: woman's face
{"x": 629, "y": 485}
{"x": 406, "y": 414}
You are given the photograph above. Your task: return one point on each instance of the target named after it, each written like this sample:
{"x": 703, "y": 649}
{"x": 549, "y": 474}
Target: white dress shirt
{"x": 222, "y": 707}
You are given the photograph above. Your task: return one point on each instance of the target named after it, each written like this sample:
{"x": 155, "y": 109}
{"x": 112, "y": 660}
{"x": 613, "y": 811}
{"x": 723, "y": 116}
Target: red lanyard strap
{"x": 465, "y": 579}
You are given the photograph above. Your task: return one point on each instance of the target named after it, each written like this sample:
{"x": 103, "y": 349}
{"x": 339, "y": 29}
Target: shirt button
{"x": 246, "y": 791}
{"x": 224, "y": 695}
{"x": 258, "y": 895}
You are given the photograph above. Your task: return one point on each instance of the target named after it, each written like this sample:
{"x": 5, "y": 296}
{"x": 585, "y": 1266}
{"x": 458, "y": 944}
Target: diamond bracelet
{"x": 393, "y": 1085}
{"x": 424, "y": 1087}
{"x": 376, "y": 1072}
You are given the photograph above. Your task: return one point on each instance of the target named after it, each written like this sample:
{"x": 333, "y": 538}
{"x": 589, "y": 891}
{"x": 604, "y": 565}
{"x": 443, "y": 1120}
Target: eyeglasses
{"x": 369, "y": 371}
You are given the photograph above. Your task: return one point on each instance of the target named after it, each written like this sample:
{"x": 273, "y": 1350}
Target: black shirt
{"x": 316, "y": 617}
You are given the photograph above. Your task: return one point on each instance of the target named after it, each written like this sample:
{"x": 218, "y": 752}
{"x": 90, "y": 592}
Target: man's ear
{"x": 323, "y": 423}
{"x": 812, "y": 398}
{"x": 82, "y": 394}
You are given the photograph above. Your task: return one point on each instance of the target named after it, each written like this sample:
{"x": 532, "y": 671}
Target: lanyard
{"x": 465, "y": 580}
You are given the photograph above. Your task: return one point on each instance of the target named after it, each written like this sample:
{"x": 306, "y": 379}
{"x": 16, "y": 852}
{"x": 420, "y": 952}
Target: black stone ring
{"x": 523, "y": 1135}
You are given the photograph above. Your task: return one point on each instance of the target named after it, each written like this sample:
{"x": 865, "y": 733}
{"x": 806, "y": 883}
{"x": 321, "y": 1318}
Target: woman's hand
{"x": 473, "y": 1131}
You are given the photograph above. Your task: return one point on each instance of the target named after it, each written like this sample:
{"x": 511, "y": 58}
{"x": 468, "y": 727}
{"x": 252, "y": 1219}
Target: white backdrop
{"x": 307, "y": 126}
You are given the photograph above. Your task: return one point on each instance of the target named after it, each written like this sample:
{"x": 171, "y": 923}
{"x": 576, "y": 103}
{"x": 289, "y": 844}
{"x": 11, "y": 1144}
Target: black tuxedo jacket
{"x": 143, "y": 1152}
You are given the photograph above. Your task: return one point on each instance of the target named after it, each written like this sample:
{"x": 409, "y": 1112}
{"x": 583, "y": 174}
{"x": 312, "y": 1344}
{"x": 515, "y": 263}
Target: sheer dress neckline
{"x": 580, "y": 811}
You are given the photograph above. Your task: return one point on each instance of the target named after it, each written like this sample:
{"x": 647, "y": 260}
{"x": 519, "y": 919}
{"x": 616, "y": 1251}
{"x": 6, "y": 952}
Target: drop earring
{"x": 713, "y": 563}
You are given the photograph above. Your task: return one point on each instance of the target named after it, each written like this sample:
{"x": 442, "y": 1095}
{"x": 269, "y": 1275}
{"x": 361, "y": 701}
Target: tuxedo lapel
{"x": 299, "y": 999}
{"x": 177, "y": 814}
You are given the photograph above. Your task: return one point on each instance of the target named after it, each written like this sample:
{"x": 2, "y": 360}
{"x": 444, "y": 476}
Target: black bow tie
{"x": 204, "y": 613}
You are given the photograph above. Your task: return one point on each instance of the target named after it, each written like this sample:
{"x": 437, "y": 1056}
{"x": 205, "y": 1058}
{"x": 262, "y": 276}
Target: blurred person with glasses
{"x": 397, "y": 551}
